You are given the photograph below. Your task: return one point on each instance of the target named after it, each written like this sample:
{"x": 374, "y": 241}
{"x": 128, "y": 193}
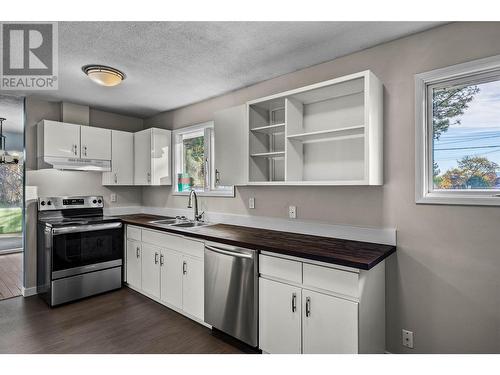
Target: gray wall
{"x": 55, "y": 182}
{"x": 443, "y": 283}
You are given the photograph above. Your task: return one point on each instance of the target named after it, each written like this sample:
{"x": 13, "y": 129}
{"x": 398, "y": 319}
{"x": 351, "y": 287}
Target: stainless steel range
{"x": 79, "y": 251}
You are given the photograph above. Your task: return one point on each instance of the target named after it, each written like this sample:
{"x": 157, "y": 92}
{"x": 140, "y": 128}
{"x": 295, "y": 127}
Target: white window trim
{"x": 424, "y": 192}
{"x": 213, "y": 192}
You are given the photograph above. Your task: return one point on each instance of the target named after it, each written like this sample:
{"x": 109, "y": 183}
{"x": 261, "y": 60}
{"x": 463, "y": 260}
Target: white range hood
{"x": 76, "y": 164}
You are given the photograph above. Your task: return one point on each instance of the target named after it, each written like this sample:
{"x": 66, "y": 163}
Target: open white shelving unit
{"x": 329, "y": 133}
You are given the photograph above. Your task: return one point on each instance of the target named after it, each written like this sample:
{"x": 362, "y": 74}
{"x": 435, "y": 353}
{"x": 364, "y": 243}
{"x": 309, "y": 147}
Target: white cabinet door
{"x": 279, "y": 317}
{"x": 60, "y": 139}
{"x": 230, "y": 132}
{"x": 133, "y": 267}
{"x": 151, "y": 269}
{"x": 171, "y": 278}
{"x": 95, "y": 143}
{"x": 160, "y": 157}
{"x": 122, "y": 159}
{"x": 142, "y": 157}
{"x": 330, "y": 324}
{"x": 193, "y": 287}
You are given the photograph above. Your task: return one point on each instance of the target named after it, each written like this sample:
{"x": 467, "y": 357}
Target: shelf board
{"x": 271, "y": 155}
{"x": 270, "y": 129}
{"x": 350, "y": 132}
{"x": 312, "y": 182}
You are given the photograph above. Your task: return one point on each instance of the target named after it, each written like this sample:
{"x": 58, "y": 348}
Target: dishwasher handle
{"x": 228, "y": 252}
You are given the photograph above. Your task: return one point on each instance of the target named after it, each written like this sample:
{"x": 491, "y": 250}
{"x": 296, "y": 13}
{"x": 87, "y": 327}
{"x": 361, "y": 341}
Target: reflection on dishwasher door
{"x": 231, "y": 291}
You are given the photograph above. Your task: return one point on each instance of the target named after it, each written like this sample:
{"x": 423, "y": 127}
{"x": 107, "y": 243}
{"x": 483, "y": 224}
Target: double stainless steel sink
{"x": 179, "y": 222}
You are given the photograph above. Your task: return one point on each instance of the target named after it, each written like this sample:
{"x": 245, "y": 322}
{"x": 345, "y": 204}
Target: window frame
{"x": 473, "y": 72}
{"x": 211, "y": 190}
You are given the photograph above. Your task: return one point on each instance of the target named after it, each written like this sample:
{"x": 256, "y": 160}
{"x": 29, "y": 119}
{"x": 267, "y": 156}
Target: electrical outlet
{"x": 113, "y": 197}
{"x": 251, "y": 202}
{"x": 292, "y": 212}
{"x": 407, "y": 338}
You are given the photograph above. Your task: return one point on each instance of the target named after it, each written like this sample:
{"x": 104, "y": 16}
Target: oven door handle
{"x": 85, "y": 228}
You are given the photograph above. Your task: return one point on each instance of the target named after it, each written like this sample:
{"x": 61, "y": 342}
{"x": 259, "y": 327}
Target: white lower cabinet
{"x": 171, "y": 278}
{"x": 133, "y": 267}
{"x": 193, "y": 287}
{"x": 317, "y": 308}
{"x": 151, "y": 269}
{"x": 279, "y": 317}
{"x": 329, "y": 325}
{"x": 170, "y": 271}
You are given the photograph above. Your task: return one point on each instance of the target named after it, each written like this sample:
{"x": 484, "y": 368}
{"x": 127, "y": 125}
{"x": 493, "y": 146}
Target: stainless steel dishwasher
{"x": 231, "y": 291}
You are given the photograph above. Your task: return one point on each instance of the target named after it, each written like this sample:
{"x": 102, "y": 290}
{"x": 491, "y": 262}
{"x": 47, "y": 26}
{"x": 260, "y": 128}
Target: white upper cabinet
{"x": 152, "y": 157}
{"x": 95, "y": 143}
{"x": 74, "y": 147}
{"x": 58, "y": 139}
{"x": 230, "y": 153}
{"x": 122, "y": 159}
{"x": 329, "y": 133}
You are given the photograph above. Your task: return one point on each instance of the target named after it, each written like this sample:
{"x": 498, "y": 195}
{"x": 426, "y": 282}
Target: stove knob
{"x": 94, "y": 201}
{"x": 42, "y": 203}
{"x": 49, "y": 203}
{"x": 99, "y": 201}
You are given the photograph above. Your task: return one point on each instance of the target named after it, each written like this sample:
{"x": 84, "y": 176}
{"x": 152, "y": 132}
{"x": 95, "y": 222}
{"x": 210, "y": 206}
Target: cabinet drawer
{"x": 331, "y": 279}
{"x": 133, "y": 233}
{"x": 281, "y": 268}
{"x": 181, "y": 244}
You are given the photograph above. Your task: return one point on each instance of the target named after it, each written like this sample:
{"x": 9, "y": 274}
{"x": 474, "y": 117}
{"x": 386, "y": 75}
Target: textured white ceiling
{"x": 173, "y": 64}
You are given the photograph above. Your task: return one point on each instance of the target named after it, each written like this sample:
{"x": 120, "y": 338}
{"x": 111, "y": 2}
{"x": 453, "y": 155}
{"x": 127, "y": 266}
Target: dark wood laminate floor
{"x": 117, "y": 322}
{"x": 11, "y": 275}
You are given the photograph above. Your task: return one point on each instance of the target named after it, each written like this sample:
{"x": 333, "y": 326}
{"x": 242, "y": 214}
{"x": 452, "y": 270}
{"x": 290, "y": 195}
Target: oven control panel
{"x": 62, "y": 203}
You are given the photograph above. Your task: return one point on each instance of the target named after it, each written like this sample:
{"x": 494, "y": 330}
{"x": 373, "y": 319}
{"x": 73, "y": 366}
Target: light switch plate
{"x": 251, "y": 202}
{"x": 292, "y": 212}
{"x": 407, "y": 338}
{"x": 113, "y": 197}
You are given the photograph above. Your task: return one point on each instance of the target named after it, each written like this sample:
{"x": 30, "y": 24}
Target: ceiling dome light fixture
{"x": 104, "y": 75}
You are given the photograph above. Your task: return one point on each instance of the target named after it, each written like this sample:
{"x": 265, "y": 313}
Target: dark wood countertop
{"x": 362, "y": 255}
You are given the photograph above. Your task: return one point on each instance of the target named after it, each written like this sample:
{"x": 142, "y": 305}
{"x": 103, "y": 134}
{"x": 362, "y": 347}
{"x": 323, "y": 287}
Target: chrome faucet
{"x": 197, "y": 216}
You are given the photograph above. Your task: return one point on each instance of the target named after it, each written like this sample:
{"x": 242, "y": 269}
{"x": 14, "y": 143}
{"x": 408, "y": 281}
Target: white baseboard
{"x": 28, "y": 291}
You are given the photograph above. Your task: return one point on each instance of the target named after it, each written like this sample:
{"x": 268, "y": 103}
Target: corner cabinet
{"x": 152, "y": 157}
{"x": 167, "y": 268}
{"x": 329, "y": 133}
{"x": 314, "y": 308}
{"x": 122, "y": 159}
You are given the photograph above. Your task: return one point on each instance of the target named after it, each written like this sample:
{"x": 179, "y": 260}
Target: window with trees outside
{"x": 194, "y": 161}
{"x": 458, "y": 134}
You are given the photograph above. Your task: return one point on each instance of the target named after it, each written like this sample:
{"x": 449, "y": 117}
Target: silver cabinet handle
{"x": 85, "y": 150}
{"x": 184, "y": 268}
{"x": 161, "y": 260}
{"x": 217, "y": 177}
{"x": 149, "y": 176}
{"x": 116, "y": 179}
{"x": 75, "y": 148}
{"x": 294, "y": 302}
{"x": 156, "y": 258}
{"x": 308, "y": 306}
{"x": 138, "y": 252}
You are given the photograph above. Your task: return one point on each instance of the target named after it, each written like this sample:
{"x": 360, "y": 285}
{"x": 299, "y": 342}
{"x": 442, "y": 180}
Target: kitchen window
{"x": 194, "y": 162}
{"x": 458, "y": 134}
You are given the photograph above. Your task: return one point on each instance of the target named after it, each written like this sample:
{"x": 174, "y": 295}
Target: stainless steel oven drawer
{"x": 80, "y": 286}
